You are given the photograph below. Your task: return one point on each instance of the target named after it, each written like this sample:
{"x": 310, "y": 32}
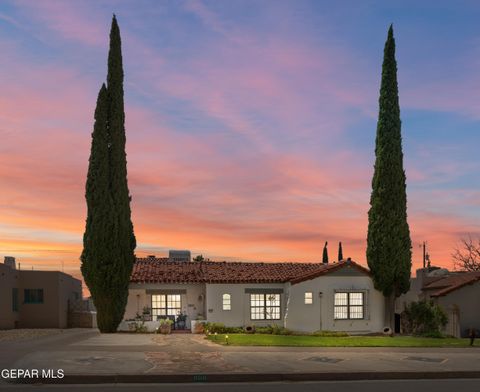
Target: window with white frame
{"x": 227, "y": 302}
{"x": 265, "y": 306}
{"x": 166, "y": 305}
{"x": 349, "y": 305}
{"x": 308, "y": 298}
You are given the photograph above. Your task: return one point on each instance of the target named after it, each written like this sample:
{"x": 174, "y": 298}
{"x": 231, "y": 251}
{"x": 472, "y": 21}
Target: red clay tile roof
{"x": 451, "y": 283}
{"x": 160, "y": 270}
{"x": 330, "y": 268}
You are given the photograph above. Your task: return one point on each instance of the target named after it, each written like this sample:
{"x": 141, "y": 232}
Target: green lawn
{"x": 350, "y": 341}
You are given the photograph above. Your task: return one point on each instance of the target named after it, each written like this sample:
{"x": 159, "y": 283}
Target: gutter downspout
{"x": 287, "y": 294}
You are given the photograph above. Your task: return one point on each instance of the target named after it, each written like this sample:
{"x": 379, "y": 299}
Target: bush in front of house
{"x": 436, "y": 335}
{"x": 424, "y": 318}
{"x": 140, "y": 327}
{"x": 274, "y": 329}
{"x": 264, "y": 330}
{"x": 330, "y": 334}
{"x": 221, "y": 328}
{"x": 278, "y": 330}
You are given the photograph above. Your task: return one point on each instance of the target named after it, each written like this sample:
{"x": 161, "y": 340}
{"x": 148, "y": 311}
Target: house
{"x": 35, "y": 299}
{"x": 299, "y": 296}
{"x": 455, "y": 292}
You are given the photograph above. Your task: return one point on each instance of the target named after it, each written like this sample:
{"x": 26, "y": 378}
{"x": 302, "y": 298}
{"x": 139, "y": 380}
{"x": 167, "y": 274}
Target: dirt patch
{"x": 15, "y": 335}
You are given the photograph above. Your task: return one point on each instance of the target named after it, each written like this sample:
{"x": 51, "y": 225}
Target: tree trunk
{"x": 389, "y": 320}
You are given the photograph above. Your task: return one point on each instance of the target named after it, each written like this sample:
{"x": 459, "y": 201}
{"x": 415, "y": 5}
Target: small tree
{"x": 467, "y": 256}
{"x": 340, "y": 251}
{"x": 199, "y": 258}
{"x": 325, "y": 254}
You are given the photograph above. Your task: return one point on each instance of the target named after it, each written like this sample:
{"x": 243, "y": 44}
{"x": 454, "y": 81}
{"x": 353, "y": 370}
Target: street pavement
{"x": 461, "y": 385}
{"x": 88, "y": 356}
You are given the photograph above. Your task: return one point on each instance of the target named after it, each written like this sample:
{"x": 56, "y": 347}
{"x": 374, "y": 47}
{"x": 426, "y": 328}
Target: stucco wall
{"x": 239, "y": 315}
{"x": 320, "y": 314}
{"x": 67, "y": 287}
{"x": 208, "y": 300}
{"x": 8, "y": 281}
{"x": 42, "y": 315}
{"x": 192, "y": 301}
{"x": 58, "y": 289}
{"x": 465, "y": 300}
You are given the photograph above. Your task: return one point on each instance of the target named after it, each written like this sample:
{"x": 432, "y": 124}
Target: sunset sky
{"x": 250, "y": 124}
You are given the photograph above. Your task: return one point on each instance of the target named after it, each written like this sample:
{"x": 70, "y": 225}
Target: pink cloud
{"x": 246, "y": 190}
{"x": 72, "y": 20}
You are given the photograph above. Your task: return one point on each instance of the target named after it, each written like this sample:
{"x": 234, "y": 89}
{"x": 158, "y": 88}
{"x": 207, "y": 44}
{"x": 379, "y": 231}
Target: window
{"x": 308, "y": 298}
{"x": 14, "y": 300}
{"x": 227, "y": 302}
{"x": 265, "y": 306}
{"x": 348, "y": 306}
{"x": 166, "y": 305}
{"x": 33, "y": 296}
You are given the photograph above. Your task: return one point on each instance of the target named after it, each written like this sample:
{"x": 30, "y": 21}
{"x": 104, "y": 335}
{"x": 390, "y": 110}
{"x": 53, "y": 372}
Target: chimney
{"x": 10, "y": 261}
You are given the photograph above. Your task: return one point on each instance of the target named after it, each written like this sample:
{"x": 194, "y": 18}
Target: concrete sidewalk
{"x": 87, "y": 356}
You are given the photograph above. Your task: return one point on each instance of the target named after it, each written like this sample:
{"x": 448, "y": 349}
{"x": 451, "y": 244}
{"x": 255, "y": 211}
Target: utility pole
{"x": 424, "y": 254}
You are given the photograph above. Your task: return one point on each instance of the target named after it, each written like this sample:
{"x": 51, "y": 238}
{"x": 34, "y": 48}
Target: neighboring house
{"x": 299, "y": 296}
{"x": 35, "y": 299}
{"x": 456, "y": 292}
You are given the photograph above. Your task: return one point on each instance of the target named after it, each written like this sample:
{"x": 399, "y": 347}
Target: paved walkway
{"x": 87, "y": 352}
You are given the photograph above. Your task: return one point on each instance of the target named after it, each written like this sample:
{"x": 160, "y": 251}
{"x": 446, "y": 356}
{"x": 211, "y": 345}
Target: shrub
{"x": 264, "y": 330}
{"x": 437, "y": 335}
{"x": 278, "y": 330}
{"x": 424, "y": 318}
{"x": 220, "y": 328}
{"x": 272, "y": 329}
{"x": 165, "y": 326}
{"x": 165, "y": 321}
{"x": 286, "y": 331}
{"x": 330, "y": 334}
{"x": 139, "y": 327}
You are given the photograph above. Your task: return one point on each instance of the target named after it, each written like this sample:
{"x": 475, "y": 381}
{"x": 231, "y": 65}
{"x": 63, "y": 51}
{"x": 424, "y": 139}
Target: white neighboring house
{"x": 303, "y": 297}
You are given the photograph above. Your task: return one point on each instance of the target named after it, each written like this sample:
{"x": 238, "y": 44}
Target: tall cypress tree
{"x": 389, "y": 246}
{"x": 109, "y": 240}
{"x": 340, "y": 251}
{"x": 325, "y": 254}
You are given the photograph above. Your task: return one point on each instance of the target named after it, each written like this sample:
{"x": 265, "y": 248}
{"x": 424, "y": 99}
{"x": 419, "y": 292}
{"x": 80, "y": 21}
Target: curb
{"x": 245, "y": 377}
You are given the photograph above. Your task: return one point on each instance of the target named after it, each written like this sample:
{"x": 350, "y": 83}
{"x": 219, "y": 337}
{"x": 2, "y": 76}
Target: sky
{"x": 250, "y": 124}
